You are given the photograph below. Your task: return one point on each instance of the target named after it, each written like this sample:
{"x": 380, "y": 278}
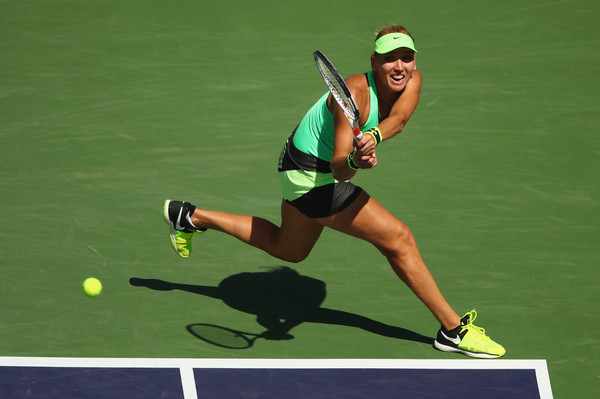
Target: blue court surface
{"x": 92, "y": 378}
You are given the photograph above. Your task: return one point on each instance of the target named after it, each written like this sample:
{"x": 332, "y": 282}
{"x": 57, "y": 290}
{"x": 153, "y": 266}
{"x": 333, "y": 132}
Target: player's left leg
{"x": 370, "y": 221}
{"x": 367, "y": 219}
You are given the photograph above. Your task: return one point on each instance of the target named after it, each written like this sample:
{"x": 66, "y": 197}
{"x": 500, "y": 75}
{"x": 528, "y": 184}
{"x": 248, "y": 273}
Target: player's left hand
{"x": 365, "y": 156}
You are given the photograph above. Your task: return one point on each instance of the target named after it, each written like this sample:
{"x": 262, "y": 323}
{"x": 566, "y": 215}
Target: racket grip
{"x": 358, "y": 135}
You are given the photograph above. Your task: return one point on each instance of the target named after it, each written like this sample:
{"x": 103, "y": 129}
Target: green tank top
{"x": 314, "y": 135}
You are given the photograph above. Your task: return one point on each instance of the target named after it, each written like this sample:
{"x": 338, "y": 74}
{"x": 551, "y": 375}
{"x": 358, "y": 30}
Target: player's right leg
{"x": 292, "y": 241}
{"x": 176, "y": 214}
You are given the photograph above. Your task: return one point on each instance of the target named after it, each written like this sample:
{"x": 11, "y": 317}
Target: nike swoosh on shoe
{"x": 455, "y": 340}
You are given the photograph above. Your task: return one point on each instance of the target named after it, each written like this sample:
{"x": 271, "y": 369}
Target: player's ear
{"x": 373, "y": 61}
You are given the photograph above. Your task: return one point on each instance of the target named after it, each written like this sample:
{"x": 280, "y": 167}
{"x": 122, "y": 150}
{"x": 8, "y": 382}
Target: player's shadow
{"x": 281, "y": 299}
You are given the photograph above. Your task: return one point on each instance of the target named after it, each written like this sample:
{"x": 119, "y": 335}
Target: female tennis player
{"x": 315, "y": 168}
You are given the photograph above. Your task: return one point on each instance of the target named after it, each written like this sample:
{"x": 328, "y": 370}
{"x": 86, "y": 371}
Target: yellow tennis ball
{"x": 92, "y": 287}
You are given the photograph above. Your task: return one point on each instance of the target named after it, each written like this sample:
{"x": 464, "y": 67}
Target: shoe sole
{"x": 446, "y": 348}
{"x": 171, "y": 228}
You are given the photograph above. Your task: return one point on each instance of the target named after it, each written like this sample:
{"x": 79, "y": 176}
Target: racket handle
{"x": 358, "y": 135}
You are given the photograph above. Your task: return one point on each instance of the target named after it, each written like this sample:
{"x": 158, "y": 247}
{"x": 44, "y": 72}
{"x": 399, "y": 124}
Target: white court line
{"x": 188, "y": 382}
{"x": 186, "y": 366}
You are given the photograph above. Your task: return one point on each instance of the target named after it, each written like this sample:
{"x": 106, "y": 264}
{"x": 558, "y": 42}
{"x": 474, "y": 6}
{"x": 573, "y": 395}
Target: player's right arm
{"x": 344, "y": 142}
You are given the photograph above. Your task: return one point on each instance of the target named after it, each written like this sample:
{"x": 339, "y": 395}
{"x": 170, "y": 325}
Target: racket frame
{"x": 339, "y": 91}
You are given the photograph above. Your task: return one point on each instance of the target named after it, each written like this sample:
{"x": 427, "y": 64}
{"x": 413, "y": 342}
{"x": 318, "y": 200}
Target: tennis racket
{"x": 340, "y": 91}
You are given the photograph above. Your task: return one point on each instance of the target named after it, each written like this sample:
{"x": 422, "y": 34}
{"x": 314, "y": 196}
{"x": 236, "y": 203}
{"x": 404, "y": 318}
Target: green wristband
{"x": 376, "y": 133}
{"x": 351, "y": 163}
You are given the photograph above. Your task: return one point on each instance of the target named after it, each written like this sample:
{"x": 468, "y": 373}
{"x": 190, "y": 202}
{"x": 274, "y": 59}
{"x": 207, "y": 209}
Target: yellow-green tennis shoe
{"x": 182, "y": 232}
{"x": 468, "y": 339}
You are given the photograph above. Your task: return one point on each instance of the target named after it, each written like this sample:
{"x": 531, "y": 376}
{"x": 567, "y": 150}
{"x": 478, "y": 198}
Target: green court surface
{"x": 110, "y": 107}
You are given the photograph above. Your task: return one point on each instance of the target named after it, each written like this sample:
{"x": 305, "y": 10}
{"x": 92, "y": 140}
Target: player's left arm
{"x": 403, "y": 108}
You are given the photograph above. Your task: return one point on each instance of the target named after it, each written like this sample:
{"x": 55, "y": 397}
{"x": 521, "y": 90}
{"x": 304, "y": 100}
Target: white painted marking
{"x": 186, "y": 366}
{"x": 188, "y": 382}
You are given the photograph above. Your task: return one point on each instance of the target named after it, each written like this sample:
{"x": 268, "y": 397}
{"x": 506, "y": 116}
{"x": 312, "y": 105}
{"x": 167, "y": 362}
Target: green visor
{"x": 392, "y": 41}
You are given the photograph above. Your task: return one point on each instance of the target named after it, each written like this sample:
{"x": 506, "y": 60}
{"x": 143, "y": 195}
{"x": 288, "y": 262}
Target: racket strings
{"x": 340, "y": 92}
{"x": 337, "y": 89}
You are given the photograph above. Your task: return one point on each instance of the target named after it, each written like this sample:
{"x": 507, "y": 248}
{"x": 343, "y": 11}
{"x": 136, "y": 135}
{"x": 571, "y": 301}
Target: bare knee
{"x": 398, "y": 243}
{"x": 293, "y": 257}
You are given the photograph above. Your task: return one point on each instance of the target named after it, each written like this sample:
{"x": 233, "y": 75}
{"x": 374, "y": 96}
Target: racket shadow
{"x": 281, "y": 299}
{"x": 222, "y": 336}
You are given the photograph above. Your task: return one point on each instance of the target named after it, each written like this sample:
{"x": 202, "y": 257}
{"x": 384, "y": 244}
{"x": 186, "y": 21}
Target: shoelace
{"x": 470, "y": 326}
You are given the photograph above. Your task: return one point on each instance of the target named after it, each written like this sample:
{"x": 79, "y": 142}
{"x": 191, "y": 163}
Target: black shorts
{"x": 327, "y": 200}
